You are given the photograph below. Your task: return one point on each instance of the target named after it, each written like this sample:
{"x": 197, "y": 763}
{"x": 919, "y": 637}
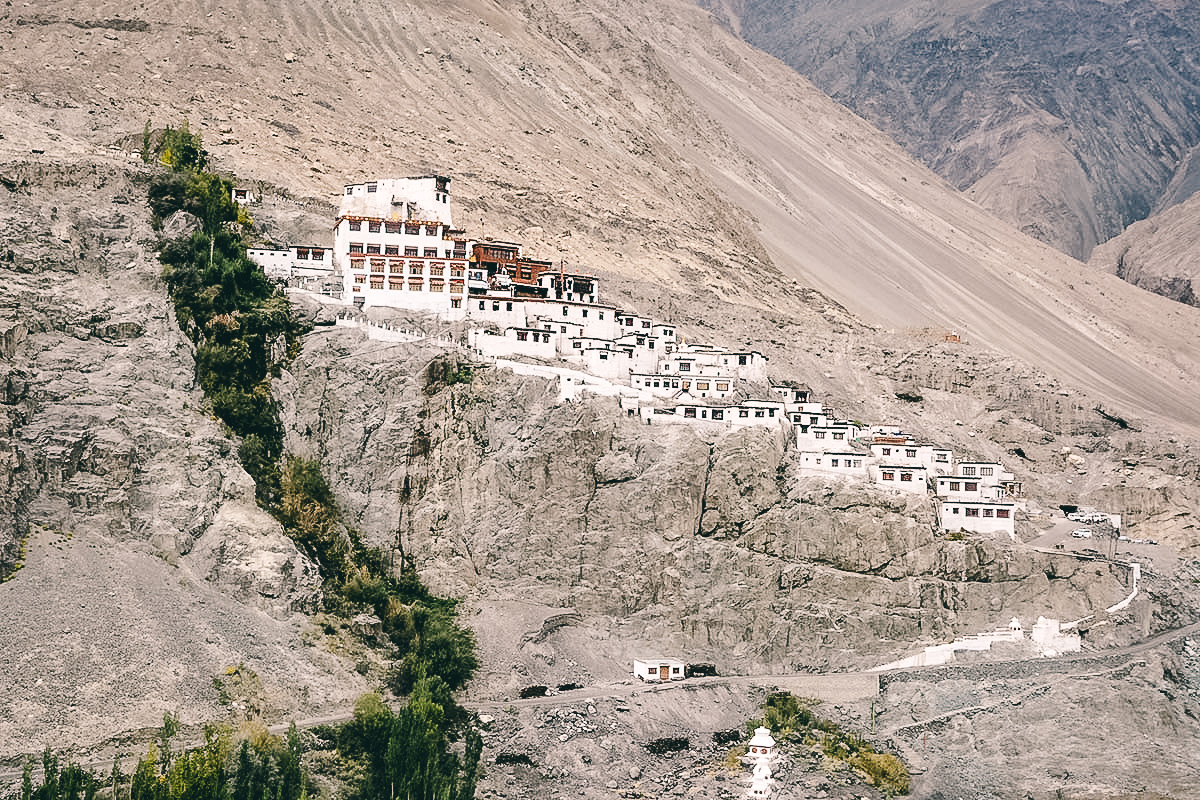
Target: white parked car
{"x": 1081, "y": 533}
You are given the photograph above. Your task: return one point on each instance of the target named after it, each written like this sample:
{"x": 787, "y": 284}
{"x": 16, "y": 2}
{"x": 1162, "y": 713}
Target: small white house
{"x": 658, "y": 669}
{"x": 994, "y": 516}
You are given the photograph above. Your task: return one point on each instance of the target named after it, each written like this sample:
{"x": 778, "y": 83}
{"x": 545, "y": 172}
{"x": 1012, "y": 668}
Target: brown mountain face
{"x": 705, "y": 183}
{"x": 1161, "y": 254}
{"x": 1070, "y": 120}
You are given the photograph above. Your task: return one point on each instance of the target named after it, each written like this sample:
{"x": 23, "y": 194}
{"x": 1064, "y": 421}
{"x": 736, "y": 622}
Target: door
{"x": 663, "y": 673}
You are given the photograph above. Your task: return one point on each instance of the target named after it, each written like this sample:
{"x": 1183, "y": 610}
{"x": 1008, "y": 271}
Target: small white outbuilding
{"x": 658, "y": 669}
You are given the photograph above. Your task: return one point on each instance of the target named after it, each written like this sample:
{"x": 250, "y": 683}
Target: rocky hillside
{"x": 1071, "y": 120}
{"x": 1161, "y": 254}
{"x": 706, "y": 184}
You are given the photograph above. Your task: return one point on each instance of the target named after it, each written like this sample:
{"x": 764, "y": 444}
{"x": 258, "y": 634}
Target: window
{"x": 722, "y": 386}
{"x": 968, "y": 470}
{"x": 412, "y": 230}
{"x": 456, "y": 272}
{"x": 522, "y": 336}
{"x": 604, "y": 356}
{"x": 702, "y": 385}
{"x": 373, "y": 227}
{"x": 356, "y": 247}
{"x": 839, "y": 435}
{"x": 601, "y": 315}
{"x": 887, "y": 451}
{"x": 431, "y": 230}
{"x": 942, "y": 457}
{"x": 391, "y": 227}
{"x": 455, "y": 302}
{"x": 971, "y": 512}
{"x": 396, "y": 266}
{"x": 818, "y": 434}
{"x": 373, "y": 249}
{"x": 833, "y": 462}
{"x": 585, "y": 313}
{"x": 431, "y": 252}
{"x": 356, "y": 224}
{"x": 689, "y": 412}
{"x": 376, "y": 265}
{"x": 718, "y": 413}
{"x": 349, "y": 190}
{"x": 391, "y": 250}
{"x": 508, "y": 306}
{"x": 1002, "y": 513}
{"x": 741, "y": 361}
{"x": 372, "y": 188}
{"x": 954, "y": 510}
{"x": 415, "y": 269}
{"x": 579, "y": 346}
{"x": 646, "y": 323}
{"x": 889, "y": 476}
{"x": 651, "y": 344}
{"x": 436, "y": 269}
{"x": 987, "y": 512}
{"x": 376, "y": 283}
{"x": 857, "y": 462}
{"x": 770, "y": 412}
{"x": 415, "y": 284}
{"x": 360, "y": 278}
{"x": 685, "y": 366}
{"x": 743, "y": 412}
{"x": 495, "y": 306}
{"x": 481, "y": 305}
{"x": 410, "y": 251}
{"x": 906, "y": 477}
{"x": 971, "y": 486}
{"x": 910, "y": 453}
{"x": 301, "y": 255}
{"x": 955, "y": 486}
{"x": 437, "y": 285}
{"x": 758, "y": 412}
{"x": 985, "y": 471}
{"x": 395, "y": 283}
{"x": 358, "y": 263}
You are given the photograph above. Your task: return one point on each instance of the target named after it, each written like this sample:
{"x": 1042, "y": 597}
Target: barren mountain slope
{"x": 690, "y": 170}
{"x": 636, "y": 136}
{"x": 1161, "y": 254}
{"x": 1072, "y": 120}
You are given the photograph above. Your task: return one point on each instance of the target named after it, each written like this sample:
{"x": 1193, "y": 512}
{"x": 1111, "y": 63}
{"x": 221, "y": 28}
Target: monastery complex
{"x": 395, "y": 246}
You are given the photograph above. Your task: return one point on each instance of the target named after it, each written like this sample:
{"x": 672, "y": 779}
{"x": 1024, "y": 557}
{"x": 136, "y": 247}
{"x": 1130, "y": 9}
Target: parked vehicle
{"x": 1081, "y": 533}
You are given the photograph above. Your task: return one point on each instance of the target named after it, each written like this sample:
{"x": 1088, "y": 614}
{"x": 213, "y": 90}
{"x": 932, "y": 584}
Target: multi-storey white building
{"x": 395, "y": 245}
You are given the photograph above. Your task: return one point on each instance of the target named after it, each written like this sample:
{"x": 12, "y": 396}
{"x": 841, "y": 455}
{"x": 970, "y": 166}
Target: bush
{"x": 885, "y": 771}
{"x": 532, "y": 691}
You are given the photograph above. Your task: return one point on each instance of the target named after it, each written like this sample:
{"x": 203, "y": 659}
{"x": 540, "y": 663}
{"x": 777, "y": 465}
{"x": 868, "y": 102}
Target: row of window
{"x": 397, "y": 267}
{"x": 1000, "y": 513}
{"x": 394, "y": 250}
{"x": 834, "y": 434}
{"x": 718, "y": 414}
{"x": 414, "y": 284}
{"x": 983, "y": 471}
{"x": 524, "y": 336}
{"x": 303, "y": 254}
{"x": 889, "y": 475}
{"x": 847, "y": 462}
{"x": 407, "y": 228}
{"x": 964, "y": 486}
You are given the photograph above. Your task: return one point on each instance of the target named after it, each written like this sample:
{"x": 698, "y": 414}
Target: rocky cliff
{"x": 1072, "y": 120}
{"x": 139, "y": 565}
{"x": 1160, "y": 254}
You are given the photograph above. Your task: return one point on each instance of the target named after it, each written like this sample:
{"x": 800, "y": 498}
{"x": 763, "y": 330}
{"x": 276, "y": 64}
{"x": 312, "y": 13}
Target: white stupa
{"x": 760, "y": 755}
